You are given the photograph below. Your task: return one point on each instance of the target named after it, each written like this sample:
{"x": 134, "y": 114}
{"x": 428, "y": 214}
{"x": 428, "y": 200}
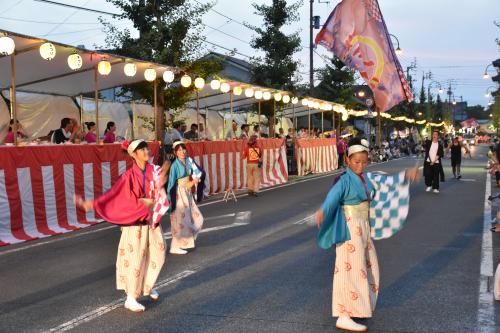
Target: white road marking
{"x": 467, "y": 180}
{"x": 68, "y": 236}
{"x": 309, "y": 220}
{"x": 91, "y": 315}
{"x": 168, "y": 235}
{"x": 486, "y": 308}
{"x": 54, "y": 240}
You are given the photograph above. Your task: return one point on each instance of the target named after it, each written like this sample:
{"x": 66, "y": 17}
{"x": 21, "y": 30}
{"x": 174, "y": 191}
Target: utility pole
{"x": 311, "y": 47}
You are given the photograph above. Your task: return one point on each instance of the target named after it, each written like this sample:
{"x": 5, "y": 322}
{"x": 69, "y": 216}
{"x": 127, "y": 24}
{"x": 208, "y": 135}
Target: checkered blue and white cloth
{"x": 390, "y": 205}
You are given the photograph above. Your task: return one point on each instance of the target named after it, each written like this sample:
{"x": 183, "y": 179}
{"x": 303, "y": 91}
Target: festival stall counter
{"x": 38, "y": 183}
{"x": 316, "y": 155}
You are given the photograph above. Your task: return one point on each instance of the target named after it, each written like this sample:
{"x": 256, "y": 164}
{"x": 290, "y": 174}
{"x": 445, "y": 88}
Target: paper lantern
{"x": 266, "y": 95}
{"x": 75, "y": 61}
{"x": 237, "y": 91}
{"x": 277, "y": 97}
{"x": 199, "y": 83}
{"x": 316, "y": 105}
{"x": 305, "y": 101}
{"x": 295, "y": 100}
{"x": 286, "y": 99}
{"x": 186, "y": 81}
{"x": 7, "y": 45}
{"x": 345, "y": 116}
{"x": 249, "y": 92}
{"x": 225, "y": 87}
{"x": 150, "y": 74}
{"x": 168, "y": 76}
{"x": 47, "y": 51}
{"x": 130, "y": 69}
{"x": 104, "y": 67}
{"x": 215, "y": 84}
{"x": 258, "y": 94}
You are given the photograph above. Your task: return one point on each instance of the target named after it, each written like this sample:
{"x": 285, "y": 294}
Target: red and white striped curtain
{"x": 316, "y": 156}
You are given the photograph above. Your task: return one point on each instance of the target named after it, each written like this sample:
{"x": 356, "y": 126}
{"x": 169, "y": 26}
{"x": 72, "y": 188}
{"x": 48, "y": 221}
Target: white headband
{"x": 133, "y": 145}
{"x": 358, "y": 148}
{"x": 176, "y": 143}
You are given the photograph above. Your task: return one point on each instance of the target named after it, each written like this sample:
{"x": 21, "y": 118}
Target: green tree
{"x": 336, "y": 83}
{"x": 277, "y": 68}
{"x": 438, "y": 113}
{"x": 170, "y": 33}
{"x": 495, "y": 113}
{"x": 477, "y": 111}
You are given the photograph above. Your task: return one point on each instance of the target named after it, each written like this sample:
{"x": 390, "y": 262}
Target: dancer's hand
{"x": 147, "y": 202}
{"x": 412, "y": 174}
{"x": 319, "y": 217}
{"x": 85, "y": 205}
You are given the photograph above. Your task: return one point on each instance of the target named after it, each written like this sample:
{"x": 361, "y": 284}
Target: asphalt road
{"x": 257, "y": 269}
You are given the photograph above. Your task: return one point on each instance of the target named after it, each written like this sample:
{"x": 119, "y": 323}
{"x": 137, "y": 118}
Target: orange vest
{"x": 253, "y": 155}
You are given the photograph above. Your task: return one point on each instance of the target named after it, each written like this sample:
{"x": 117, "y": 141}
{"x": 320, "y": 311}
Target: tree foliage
{"x": 276, "y": 68}
{"x": 336, "y": 83}
{"x": 166, "y": 32}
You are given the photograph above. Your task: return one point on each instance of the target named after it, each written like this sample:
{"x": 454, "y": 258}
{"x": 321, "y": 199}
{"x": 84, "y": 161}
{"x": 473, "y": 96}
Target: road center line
{"x": 168, "y": 235}
{"x": 91, "y": 315}
{"x": 486, "y": 308}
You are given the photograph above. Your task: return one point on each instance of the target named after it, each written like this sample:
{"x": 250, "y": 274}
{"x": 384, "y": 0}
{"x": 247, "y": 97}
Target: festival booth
{"x": 38, "y": 180}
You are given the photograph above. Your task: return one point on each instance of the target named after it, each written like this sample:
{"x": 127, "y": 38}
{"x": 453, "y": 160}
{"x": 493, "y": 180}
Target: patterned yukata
{"x": 185, "y": 217}
{"x": 141, "y": 251}
{"x": 357, "y": 209}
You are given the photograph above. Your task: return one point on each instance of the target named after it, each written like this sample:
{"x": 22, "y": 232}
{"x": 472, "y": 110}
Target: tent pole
{"x": 81, "y": 111}
{"x": 132, "y": 103}
{"x": 96, "y": 101}
{"x": 13, "y": 102}
{"x": 322, "y": 123}
{"x": 231, "y": 105}
{"x": 333, "y": 121}
{"x": 198, "y": 112}
{"x": 294, "y": 118}
{"x": 155, "y": 98}
{"x": 259, "y": 115}
{"x": 206, "y": 123}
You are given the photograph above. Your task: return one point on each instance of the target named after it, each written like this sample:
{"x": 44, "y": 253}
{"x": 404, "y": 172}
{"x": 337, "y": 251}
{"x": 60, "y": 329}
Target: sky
{"x": 453, "y": 39}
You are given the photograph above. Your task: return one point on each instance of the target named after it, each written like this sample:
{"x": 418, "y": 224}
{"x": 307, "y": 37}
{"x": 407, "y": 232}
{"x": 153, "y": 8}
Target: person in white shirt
{"x": 256, "y": 131}
{"x": 172, "y": 135}
{"x": 231, "y": 134}
{"x": 432, "y": 166}
{"x": 245, "y": 129}
{"x": 202, "y": 134}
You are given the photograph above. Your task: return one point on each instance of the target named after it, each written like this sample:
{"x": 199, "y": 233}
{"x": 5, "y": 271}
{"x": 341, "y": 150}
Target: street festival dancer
{"x": 360, "y": 206}
{"x": 185, "y": 217}
{"x": 136, "y": 202}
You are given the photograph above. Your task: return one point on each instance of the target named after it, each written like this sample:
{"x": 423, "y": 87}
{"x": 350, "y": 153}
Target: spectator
{"x": 256, "y": 131}
{"x": 245, "y": 130}
{"x": 90, "y": 137}
{"x": 231, "y": 134}
{"x": 456, "y": 157}
{"x": 183, "y": 129}
{"x": 109, "y": 132}
{"x": 21, "y": 134}
{"x": 341, "y": 146}
{"x": 281, "y": 133}
{"x": 254, "y": 163}
{"x": 202, "y": 134}
{"x": 63, "y": 133}
{"x": 192, "y": 135}
{"x": 76, "y": 132}
{"x": 172, "y": 135}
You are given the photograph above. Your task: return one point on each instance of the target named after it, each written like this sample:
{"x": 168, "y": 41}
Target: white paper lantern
{"x": 266, "y": 95}
{"x": 47, "y": 51}
{"x": 104, "y": 67}
{"x": 130, "y": 69}
{"x": 7, "y": 45}
{"x": 249, "y": 92}
{"x": 277, "y": 96}
{"x": 186, "y": 81}
{"x": 316, "y": 105}
{"x": 305, "y": 101}
{"x": 237, "y": 91}
{"x": 295, "y": 100}
{"x": 168, "y": 76}
{"x": 199, "y": 83}
{"x": 215, "y": 84}
{"x": 225, "y": 87}
{"x": 150, "y": 74}
{"x": 75, "y": 61}
{"x": 345, "y": 116}
{"x": 286, "y": 99}
{"x": 258, "y": 94}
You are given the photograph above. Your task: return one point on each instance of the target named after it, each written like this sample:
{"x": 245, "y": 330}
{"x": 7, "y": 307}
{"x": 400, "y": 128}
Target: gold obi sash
{"x": 359, "y": 211}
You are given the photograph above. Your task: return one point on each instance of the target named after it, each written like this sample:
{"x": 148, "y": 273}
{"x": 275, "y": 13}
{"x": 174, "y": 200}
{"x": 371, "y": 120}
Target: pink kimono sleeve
{"x": 120, "y": 205}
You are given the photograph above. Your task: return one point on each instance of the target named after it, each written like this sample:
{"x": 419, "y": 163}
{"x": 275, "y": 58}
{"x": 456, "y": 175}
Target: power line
{"x": 46, "y": 22}
{"x": 229, "y": 18}
{"x": 77, "y": 7}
